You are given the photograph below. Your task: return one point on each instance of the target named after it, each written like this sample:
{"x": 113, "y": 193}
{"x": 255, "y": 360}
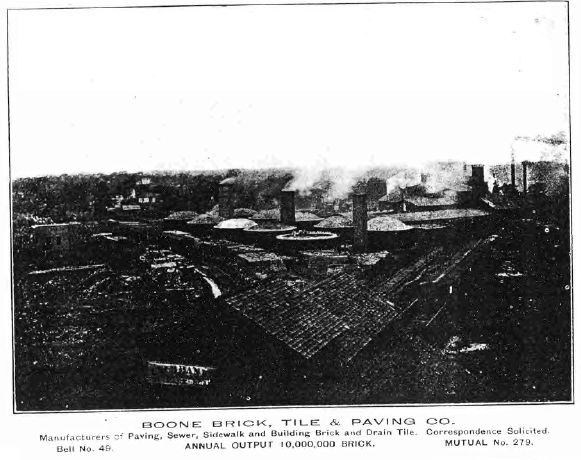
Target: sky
{"x": 353, "y": 86}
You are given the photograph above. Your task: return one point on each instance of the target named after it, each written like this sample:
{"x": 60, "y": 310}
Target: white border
{"x": 20, "y": 432}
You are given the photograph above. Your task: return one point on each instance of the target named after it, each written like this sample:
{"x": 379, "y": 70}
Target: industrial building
{"x": 56, "y": 239}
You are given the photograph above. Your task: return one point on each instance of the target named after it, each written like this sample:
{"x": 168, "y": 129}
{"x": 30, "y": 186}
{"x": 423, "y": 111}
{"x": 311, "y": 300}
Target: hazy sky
{"x": 106, "y": 90}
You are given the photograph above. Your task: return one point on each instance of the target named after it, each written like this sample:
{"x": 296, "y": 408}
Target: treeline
{"x": 86, "y": 197}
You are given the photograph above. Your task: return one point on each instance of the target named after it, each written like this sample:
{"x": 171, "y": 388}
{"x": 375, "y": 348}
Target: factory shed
{"x": 140, "y": 231}
{"x": 315, "y": 264}
{"x": 262, "y": 261}
{"x": 440, "y": 215}
{"x": 178, "y": 220}
{"x": 55, "y": 241}
{"x": 328, "y": 323}
{"x": 501, "y": 203}
{"x": 393, "y": 201}
{"x": 179, "y": 241}
{"x": 365, "y": 313}
{"x": 275, "y": 306}
{"x": 424, "y": 203}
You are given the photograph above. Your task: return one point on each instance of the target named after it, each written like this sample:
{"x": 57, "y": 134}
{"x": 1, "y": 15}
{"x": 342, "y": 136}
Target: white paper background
{"x": 140, "y": 61}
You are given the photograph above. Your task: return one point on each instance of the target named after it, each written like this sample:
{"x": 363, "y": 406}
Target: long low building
{"x": 440, "y": 215}
{"x": 333, "y": 319}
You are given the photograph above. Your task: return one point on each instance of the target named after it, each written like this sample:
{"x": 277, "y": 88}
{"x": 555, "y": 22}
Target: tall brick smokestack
{"x": 478, "y": 174}
{"x": 513, "y": 174}
{"x": 512, "y": 169}
{"x": 225, "y": 198}
{"x": 524, "y": 177}
{"x": 359, "y": 222}
{"x": 479, "y": 186}
{"x": 287, "y": 207}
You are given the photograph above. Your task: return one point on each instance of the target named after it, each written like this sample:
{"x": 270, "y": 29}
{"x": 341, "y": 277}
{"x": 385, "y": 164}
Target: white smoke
{"x": 542, "y": 148}
{"x": 304, "y": 180}
{"x": 402, "y": 179}
{"x": 489, "y": 177}
{"x": 340, "y": 181}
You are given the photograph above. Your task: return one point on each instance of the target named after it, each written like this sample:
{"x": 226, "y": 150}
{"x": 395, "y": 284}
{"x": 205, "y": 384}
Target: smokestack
{"x": 359, "y": 222}
{"x": 512, "y": 169}
{"x": 287, "y": 207}
{"x": 478, "y": 174}
{"x": 425, "y": 177}
{"x": 225, "y": 199}
{"x": 479, "y": 186}
{"x": 513, "y": 174}
{"x": 524, "y": 177}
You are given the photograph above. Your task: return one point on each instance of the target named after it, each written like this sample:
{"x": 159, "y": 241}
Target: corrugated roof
{"x": 363, "y": 311}
{"x": 310, "y": 320}
{"x": 274, "y": 307}
{"x": 445, "y": 214}
{"x": 394, "y": 196}
{"x": 425, "y": 201}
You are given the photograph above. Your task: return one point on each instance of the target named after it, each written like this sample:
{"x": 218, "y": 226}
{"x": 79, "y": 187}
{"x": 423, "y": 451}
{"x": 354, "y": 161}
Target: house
{"x": 146, "y": 194}
{"x": 56, "y": 239}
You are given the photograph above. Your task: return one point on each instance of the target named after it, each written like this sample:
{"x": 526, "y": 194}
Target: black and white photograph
{"x": 298, "y": 205}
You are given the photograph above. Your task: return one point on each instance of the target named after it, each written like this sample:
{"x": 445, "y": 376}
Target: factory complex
{"x": 270, "y": 304}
